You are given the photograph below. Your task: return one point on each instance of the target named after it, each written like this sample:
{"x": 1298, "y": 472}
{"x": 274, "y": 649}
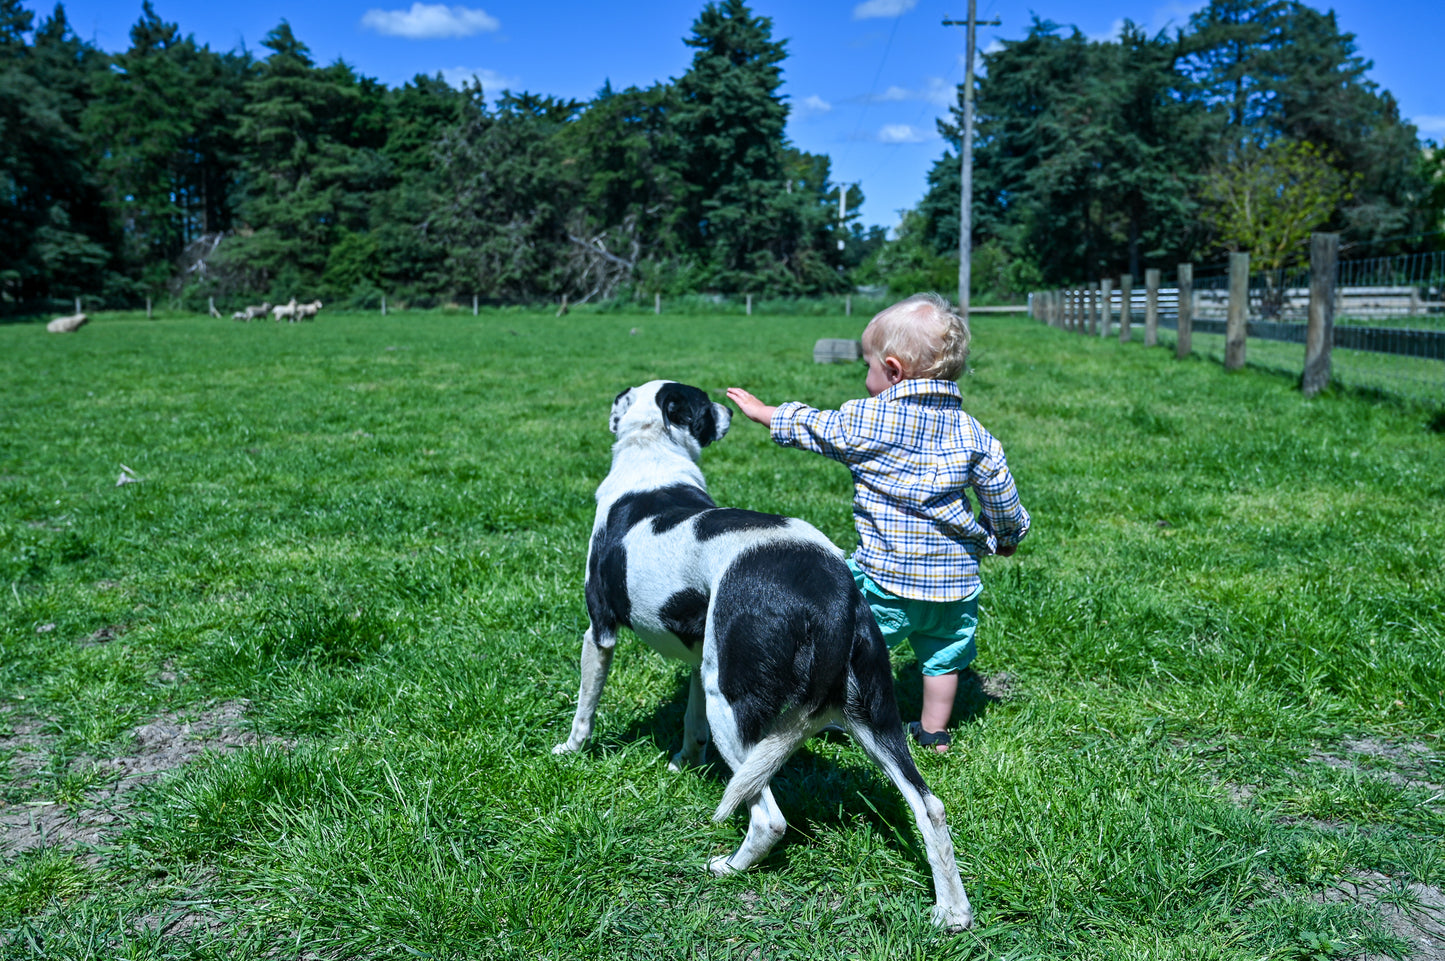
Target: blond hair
{"x": 929, "y": 338}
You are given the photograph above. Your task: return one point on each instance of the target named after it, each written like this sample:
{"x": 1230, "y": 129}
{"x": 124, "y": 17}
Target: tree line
{"x": 175, "y": 168}
{"x": 1244, "y": 130}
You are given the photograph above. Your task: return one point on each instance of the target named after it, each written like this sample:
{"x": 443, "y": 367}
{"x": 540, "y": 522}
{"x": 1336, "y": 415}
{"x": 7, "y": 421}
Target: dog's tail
{"x": 761, "y": 764}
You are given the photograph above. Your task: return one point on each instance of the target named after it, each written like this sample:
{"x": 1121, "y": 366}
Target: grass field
{"x": 292, "y": 693}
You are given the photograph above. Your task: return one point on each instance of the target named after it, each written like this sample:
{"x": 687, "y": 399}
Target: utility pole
{"x": 843, "y": 207}
{"x": 965, "y": 200}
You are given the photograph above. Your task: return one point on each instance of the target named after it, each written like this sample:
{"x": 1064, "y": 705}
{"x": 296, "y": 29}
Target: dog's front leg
{"x": 695, "y": 734}
{"x": 596, "y": 661}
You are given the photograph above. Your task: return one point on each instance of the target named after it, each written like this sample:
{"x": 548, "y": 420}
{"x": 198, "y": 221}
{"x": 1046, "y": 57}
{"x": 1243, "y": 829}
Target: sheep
{"x": 308, "y": 311}
{"x": 251, "y": 313}
{"x": 286, "y": 311}
{"x": 67, "y": 325}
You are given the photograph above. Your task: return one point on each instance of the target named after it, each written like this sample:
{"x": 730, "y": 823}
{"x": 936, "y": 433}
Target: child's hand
{"x": 752, "y": 408}
{"x": 1006, "y": 550}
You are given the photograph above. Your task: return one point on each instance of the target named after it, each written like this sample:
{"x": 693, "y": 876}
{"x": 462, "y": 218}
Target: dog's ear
{"x": 620, "y": 404}
{"x": 691, "y": 409}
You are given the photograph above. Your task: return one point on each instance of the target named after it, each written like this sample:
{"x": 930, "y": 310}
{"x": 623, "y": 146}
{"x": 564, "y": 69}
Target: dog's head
{"x": 683, "y": 414}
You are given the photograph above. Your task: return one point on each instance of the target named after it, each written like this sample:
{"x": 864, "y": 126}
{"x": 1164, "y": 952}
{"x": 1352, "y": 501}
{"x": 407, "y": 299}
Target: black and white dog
{"x": 764, "y": 609}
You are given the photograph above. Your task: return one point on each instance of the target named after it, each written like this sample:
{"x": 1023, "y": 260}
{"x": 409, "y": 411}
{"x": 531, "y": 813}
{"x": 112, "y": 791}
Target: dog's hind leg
{"x": 889, "y": 750}
{"x": 596, "y": 661}
{"x": 695, "y": 731}
{"x": 765, "y": 826}
{"x": 753, "y": 767}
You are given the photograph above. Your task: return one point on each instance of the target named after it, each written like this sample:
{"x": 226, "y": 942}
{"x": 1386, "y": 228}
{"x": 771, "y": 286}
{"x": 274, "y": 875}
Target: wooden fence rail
{"x": 1225, "y": 309}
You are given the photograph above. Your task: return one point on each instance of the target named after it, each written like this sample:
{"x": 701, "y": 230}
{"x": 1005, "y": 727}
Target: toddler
{"x": 914, "y": 453}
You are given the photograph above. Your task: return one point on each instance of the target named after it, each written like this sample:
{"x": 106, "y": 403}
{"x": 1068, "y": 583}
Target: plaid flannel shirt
{"x": 913, "y": 453}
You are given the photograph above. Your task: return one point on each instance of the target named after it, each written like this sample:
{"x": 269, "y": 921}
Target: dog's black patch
{"x": 666, "y": 507}
{"x": 685, "y": 615}
{"x": 608, "y": 603}
{"x": 688, "y": 407}
{"x": 730, "y": 520}
{"x": 784, "y": 618}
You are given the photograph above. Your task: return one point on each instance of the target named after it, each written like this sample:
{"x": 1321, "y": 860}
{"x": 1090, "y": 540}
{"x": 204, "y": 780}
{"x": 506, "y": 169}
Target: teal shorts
{"x": 940, "y": 632}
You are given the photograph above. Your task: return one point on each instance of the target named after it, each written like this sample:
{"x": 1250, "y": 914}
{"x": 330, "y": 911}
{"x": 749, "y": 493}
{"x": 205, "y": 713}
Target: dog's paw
{"x": 683, "y": 759}
{"x": 721, "y": 867}
{"x": 953, "y": 918}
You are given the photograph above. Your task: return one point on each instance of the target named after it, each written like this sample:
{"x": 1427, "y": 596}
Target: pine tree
{"x": 730, "y": 119}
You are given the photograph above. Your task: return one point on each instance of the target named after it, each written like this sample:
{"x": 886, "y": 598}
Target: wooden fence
{"x": 1109, "y": 308}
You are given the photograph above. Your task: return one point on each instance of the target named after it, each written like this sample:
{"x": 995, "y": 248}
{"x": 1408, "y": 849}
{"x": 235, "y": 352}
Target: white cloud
{"x": 940, "y": 92}
{"x": 1111, "y": 35}
{"x": 492, "y": 82}
{"x": 811, "y": 106}
{"x": 904, "y": 133}
{"x": 882, "y": 9}
{"x": 935, "y": 90}
{"x": 430, "y": 21}
{"x": 1175, "y": 13}
{"x": 1430, "y": 124}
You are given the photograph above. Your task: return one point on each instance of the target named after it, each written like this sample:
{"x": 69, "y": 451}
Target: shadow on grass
{"x": 825, "y": 791}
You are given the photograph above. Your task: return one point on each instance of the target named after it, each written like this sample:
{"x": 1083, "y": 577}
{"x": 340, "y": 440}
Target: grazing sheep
{"x": 67, "y": 325}
{"x": 308, "y": 311}
{"x": 251, "y": 313}
{"x": 285, "y": 311}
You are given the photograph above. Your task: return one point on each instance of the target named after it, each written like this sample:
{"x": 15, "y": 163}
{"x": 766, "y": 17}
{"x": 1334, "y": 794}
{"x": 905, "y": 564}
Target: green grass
{"x": 373, "y": 530}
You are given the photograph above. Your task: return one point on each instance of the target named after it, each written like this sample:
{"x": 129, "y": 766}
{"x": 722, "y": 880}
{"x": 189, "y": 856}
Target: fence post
{"x": 383, "y": 305}
{"x": 750, "y": 305}
{"x": 657, "y": 302}
{"x": 1091, "y": 310}
{"x": 77, "y": 305}
{"x": 1320, "y": 333}
{"x": 1185, "y": 330}
{"x": 1151, "y": 306}
{"x": 1077, "y": 321}
{"x": 148, "y": 308}
{"x": 1126, "y": 306}
{"x": 474, "y": 305}
{"x": 1236, "y": 324}
{"x": 1106, "y": 294}
{"x": 1059, "y": 302}
{"x": 847, "y": 305}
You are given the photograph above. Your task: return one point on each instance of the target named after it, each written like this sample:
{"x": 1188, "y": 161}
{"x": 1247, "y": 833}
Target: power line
{"x": 869, "y": 99}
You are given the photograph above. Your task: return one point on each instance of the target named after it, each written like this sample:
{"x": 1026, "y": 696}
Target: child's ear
{"x": 893, "y": 367}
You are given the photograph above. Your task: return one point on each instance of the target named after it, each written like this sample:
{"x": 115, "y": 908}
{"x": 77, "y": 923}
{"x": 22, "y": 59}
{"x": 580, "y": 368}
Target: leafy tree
{"x": 502, "y": 198}
{"x": 755, "y": 214}
{"x": 624, "y": 157}
{"x": 55, "y": 239}
{"x": 162, "y": 127}
{"x": 1084, "y": 155}
{"x": 1275, "y": 69}
{"x": 311, "y": 162}
{"x": 1267, "y": 200}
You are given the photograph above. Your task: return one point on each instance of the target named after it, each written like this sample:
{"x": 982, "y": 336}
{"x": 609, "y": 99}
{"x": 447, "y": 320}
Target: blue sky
{"x": 866, "y": 78}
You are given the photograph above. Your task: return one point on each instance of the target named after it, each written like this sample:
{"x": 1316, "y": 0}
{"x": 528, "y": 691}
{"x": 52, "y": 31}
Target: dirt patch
{"x": 1414, "y": 912}
{"x": 1412, "y": 765}
{"x": 157, "y": 747}
{"x": 998, "y": 686}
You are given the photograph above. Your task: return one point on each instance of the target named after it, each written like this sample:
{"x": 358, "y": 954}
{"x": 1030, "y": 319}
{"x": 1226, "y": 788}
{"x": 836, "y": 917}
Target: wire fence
{"x": 1387, "y": 332}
